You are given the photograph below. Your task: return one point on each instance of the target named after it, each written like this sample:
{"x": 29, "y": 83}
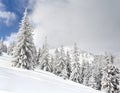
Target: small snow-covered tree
{"x": 39, "y": 56}
{"x": 46, "y": 65}
{"x": 61, "y": 66}
{"x": 56, "y": 60}
{"x": 75, "y": 74}
{"x": 11, "y": 48}
{"x": 4, "y": 48}
{"x": 64, "y": 73}
{"x": 97, "y": 72}
{"x": 110, "y": 79}
{"x": 52, "y": 63}
{"x": 68, "y": 63}
{"x": 87, "y": 73}
{"x": 25, "y": 52}
{"x": 44, "y": 59}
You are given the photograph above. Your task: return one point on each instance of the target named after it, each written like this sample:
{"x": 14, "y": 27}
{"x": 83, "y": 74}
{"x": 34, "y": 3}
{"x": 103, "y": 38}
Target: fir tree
{"x": 68, "y": 63}
{"x": 61, "y": 65}
{"x": 11, "y": 48}
{"x": 56, "y": 60}
{"x": 44, "y": 59}
{"x": 97, "y": 72}
{"x": 25, "y": 53}
{"x": 110, "y": 80}
{"x": 87, "y": 73}
{"x": 75, "y": 74}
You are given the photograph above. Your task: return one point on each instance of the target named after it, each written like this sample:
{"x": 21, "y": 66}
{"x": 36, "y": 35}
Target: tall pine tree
{"x": 25, "y": 52}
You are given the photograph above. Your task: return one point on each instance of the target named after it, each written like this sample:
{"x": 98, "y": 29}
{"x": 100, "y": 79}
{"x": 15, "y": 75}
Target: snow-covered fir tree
{"x": 45, "y": 58}
{"x": 64, "y": 73}
{"x": 61, "y": 66}
{"x": 86, "y": 73}
{"x": 25, "y": 52}
{"x": 110, "y": 79}
{"x": 97, "y": 72}
{"x": 52, "y": 63}
{"x": 11, "y": 48}
{"x": 75, "y": 74}
{"x": 38, "y": 54}
{"x": 108, "y": 59}
{"x": 68, "y": 63}
{"x": 46, "y": 63}
{"x": 56, "y": 60}
{"x": 4, "y": 49}
{"x": 3, "y": 46}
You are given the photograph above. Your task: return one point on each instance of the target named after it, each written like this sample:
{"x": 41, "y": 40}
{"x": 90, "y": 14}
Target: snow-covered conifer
{"x": 110, "y": 79}
{"x": 97, "y": 72}
{"x": 44, "y": 59}
{"x": 25, "y": 52}
{"x": 86, "y": 73}
{"x": 68, "y": 63}
{"x": 75, "y": 74}
{"x": 61, "y": 66}
{"x": 56, "y": 60}
{"x": 11, "y": 48}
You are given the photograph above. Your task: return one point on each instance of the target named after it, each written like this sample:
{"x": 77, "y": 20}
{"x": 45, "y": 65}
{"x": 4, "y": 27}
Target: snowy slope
{"x": 13, "y": 80}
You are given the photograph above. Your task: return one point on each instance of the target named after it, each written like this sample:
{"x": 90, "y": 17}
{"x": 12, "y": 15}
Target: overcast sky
{"x": 93, "y": 24}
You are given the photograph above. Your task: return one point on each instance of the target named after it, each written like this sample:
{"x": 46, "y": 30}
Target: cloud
{"x": 6, "y": 17}
{"x": 94, "y": 25}
{"x": 11, "y": 38}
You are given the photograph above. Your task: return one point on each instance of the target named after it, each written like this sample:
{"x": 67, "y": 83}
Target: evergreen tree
{"x": 75, "y": 74}
{"x": 52, "y": 63}
{"x": 56, "y": 61}
{"x": 97, "y": 72}
{"x": 25, "y": 53}
{"x": 4, "y": 48}
{"x": 44, "y": 58}
{"x": 61, "y": 66}
{"x": 68, "y": 63}
{"x": 39, "y": 55}
{"x": 87, "y": 73}
{"x": 110, "y": 80}
{"x": 11, "y": 48}
{"x": 46, "y": 65}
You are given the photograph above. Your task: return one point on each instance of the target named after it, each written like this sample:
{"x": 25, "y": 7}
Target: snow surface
{"x": 14, "y": 80}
